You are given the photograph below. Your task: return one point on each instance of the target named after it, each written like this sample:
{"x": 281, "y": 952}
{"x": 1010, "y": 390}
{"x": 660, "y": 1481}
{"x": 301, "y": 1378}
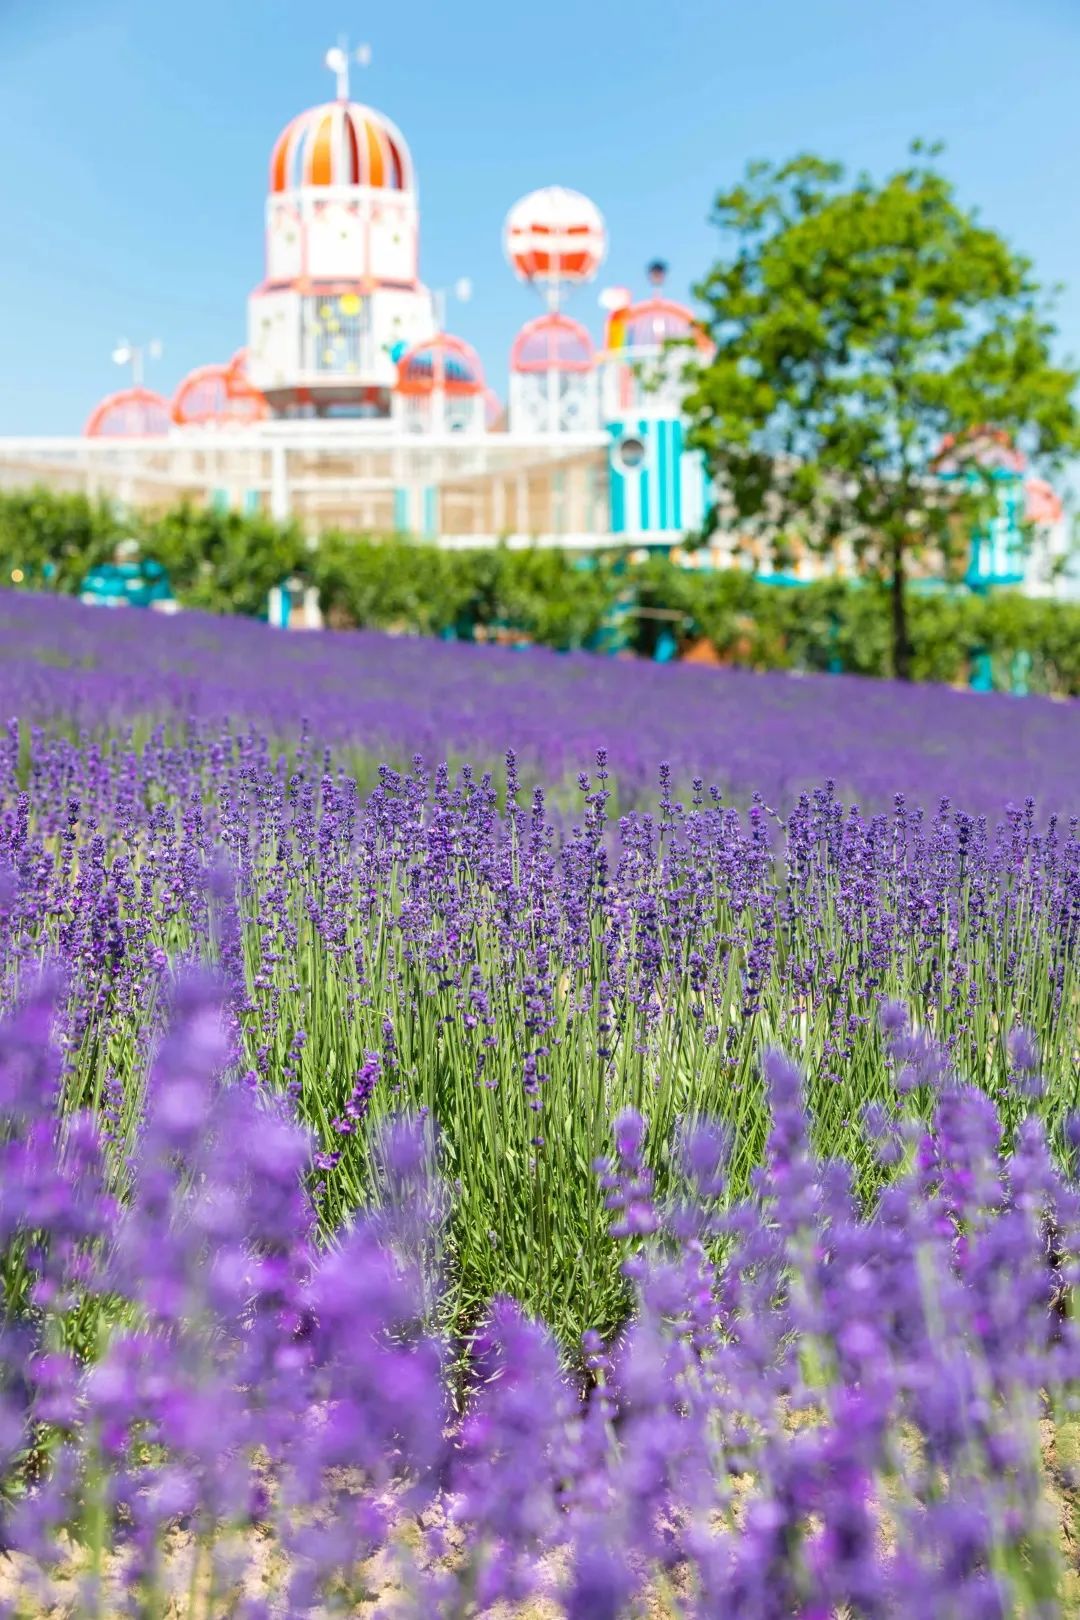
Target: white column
{"x": 279, "y": 483}
{"x": 522, "y": 503}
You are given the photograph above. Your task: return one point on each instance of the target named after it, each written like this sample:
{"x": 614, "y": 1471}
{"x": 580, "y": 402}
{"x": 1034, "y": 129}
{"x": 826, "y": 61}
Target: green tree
{"x": 856, "y": 325}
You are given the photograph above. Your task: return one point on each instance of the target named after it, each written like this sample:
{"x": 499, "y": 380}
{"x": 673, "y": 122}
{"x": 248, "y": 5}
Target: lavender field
{"x": 391, "y": 697}
{"x": 491, "y": 1133}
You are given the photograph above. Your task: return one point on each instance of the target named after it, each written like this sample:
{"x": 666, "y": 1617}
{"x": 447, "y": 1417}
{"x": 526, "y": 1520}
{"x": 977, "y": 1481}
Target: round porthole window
{"x": 630, "y": 454}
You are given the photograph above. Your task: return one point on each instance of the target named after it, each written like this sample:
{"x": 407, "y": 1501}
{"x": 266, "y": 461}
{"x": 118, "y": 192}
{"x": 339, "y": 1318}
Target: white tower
{"x": 657, "y": 488}
{"x": 555, "y": 239}
{"x": 342, "y": 298}
{"x": 440, "y": 387}
{"x": 553, "y": 378}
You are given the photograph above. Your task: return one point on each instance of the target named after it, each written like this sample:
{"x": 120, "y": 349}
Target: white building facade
{"x": 350, "y": 406}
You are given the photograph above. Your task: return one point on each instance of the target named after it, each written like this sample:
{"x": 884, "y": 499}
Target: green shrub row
{"x": 540, "y": 595}
{"x": 227, "y": 562}
{"x": 1023, "y": 642}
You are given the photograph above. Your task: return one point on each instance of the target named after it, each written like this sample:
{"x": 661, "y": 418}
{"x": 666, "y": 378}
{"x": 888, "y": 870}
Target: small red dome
{"x": 984, "y": 446}
{"x": 442, "y": 362}
{"x": 217, "y": 394}
{"x": 651, "y": 324}
{"x": 133, "y": 413}
{"x": 341, "y": 144}
{"x": 552, "y": 343}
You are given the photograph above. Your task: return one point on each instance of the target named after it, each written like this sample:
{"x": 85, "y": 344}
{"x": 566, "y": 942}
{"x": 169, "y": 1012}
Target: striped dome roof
{"x": 440, "y": 362}
{"x": 552, "y": 343}
{"x": 651, "y": 324}
{"x": 985, "y": 446}
{"x": 133, "y": 413}
{"x": 341, "y": 144}
{"x": 217, "y": 394}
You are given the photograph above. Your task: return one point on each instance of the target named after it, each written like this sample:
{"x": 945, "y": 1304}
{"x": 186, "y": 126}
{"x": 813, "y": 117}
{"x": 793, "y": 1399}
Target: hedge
{"x": 222, "y": 561}
{"x": 227, "y": 562}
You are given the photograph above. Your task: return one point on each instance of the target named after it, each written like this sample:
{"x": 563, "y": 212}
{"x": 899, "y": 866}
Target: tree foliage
{"x": 857, "y": 325}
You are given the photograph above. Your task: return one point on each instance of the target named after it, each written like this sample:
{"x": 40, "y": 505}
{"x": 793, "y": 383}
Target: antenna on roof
{"x": 337, "y": 59}
{"x": 462, "y": 290}
{"x": 134, "y": 355}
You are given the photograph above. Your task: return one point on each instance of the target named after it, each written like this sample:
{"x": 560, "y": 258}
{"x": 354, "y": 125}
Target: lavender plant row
{"x": 521, "y": 980}
{"x": 813, "y": 1412}
{"x": 385, "y": 698}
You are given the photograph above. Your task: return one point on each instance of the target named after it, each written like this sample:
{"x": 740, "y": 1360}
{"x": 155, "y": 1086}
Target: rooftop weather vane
{"x": 337, "y": 59}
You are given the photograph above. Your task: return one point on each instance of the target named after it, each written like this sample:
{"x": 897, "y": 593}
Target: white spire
{"x": 337, "y": 59}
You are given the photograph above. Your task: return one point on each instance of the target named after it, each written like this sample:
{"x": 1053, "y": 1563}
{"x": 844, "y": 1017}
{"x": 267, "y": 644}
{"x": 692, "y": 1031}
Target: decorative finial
{"x": 657, "y": 271}
{"x": 337, "y": 59}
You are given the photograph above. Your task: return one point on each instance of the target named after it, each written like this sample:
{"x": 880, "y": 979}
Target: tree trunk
{"x": 901, "y": 645}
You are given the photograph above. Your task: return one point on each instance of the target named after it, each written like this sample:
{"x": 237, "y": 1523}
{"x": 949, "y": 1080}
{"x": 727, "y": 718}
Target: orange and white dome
{"x": 341, "y": 144}
{"x": 555, "y": 235}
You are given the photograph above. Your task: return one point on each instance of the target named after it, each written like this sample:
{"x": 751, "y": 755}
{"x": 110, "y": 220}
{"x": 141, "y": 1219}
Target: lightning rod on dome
{"x": 337, "y": 59}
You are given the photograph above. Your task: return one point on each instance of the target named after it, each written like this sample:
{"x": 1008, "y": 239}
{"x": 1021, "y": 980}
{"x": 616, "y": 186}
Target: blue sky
{"x": 137, "y": 136}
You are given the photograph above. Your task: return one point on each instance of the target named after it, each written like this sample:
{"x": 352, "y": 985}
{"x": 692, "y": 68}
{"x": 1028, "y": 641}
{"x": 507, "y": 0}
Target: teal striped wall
{"x": 666, "y": 493}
